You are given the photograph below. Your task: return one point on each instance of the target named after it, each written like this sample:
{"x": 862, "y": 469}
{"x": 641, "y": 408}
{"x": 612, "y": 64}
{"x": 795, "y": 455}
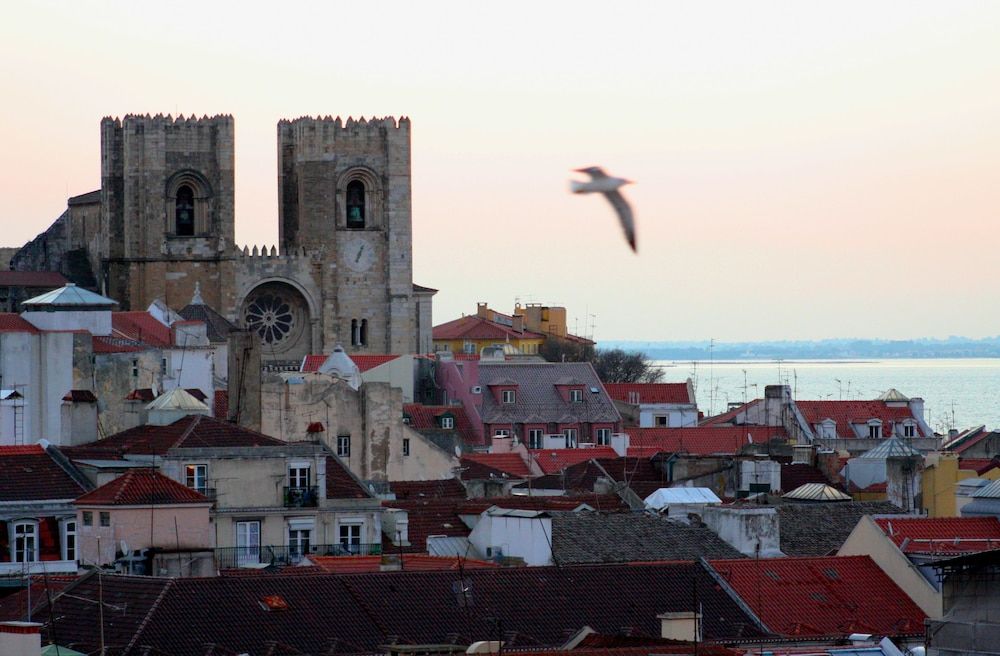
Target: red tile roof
{"x": 312, "y": 363}
{"x": 829, "y": 597}
{"x": 406, "y": 562}
{"x": 141, "y": 487}
{"x": 425, "y": 418}
{"x": 51, "y": 279}
{"x": 705, "y": 440}
{"x": 506, "y": 463}
{"x": 451, "y": 488}
{"x": 28, "y": 473}
{"x": 555, "y": 460}
{"x": 340, "y": 484}
{"x": 14, "y": 607}
{"x": 427, "y": 517}
{"x": 140, "y": 327}
{"x": 942, "y": 535}
{"x": 190, "y": 431}
{"x": 14, "y": 323}
{"x": 80, "y": 396}
{"x": 475, "y": 327}
{"x": 636, "y": 393}
{"x": 844, "y": 413}
{"x": 794, "y": 476}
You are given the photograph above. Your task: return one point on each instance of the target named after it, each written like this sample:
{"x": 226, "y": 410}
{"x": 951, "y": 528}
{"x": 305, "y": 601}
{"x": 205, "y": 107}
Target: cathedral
{"x": 163, "y": 225}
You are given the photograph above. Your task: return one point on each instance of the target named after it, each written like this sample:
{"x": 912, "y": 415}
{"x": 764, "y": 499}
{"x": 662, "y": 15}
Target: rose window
{"x": 271, "y": 316}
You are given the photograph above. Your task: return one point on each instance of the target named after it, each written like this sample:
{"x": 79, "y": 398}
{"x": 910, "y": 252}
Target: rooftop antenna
{"x": 711, "y": 375}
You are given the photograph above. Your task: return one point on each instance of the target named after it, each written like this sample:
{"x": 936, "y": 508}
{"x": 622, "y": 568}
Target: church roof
{"x": 70, "y": 296}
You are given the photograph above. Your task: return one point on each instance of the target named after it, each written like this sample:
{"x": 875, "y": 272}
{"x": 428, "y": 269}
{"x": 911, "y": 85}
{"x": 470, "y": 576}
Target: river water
{"x": 958, "y": 393}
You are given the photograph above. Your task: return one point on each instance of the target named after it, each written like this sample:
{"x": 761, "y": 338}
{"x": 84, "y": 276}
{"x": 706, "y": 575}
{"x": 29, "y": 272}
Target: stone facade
{"x": 163, "y": 223}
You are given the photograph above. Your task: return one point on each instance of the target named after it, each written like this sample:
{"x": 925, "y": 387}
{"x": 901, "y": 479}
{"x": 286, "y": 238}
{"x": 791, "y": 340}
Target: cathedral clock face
{"x": 358, "y": 254}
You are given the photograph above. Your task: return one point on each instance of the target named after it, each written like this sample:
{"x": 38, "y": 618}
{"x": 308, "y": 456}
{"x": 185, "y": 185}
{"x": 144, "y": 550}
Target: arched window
{"x": 355, "y": 204}
{"x": 184, "y": 211}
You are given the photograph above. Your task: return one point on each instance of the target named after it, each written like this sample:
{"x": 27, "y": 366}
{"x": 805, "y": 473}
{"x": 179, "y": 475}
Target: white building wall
{"x": 96, "y": 322}
{"x": 678, "y": 416}
{"x": 190, "y": 368}
{"x": 518, "y": 537}
{"x": 40, "y": 368}
{"x": 398, "y": 373}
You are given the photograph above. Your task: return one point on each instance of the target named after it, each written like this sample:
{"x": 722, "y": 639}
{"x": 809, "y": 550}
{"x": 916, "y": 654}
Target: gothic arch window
{"x": 355, "y": 205}
{"x": 184, "y": 211}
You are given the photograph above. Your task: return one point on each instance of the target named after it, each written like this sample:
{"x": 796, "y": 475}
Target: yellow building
{"x": 471, "y": 334}
{"x": 941, "y": 477}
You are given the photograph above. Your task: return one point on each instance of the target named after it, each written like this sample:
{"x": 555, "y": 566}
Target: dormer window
{"x": 507, "y": 396}
{"x": 576, "y": 396}
{"x": 909, "y": 430}
{"x": 874, "y": 430}
{"x": 447, "y": 422}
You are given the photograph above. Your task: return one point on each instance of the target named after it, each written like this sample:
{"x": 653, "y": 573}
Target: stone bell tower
{"x": 167, "y": 190}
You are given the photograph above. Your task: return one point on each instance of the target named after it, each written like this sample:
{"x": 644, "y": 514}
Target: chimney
{"x": 482, "y": 311}
{"x": 20, "y": 638}
{"x": 396, "y": 525}
{"x": 684, "y": 625}
{"x": 517, "y": 323}
{"x": 917, "y": 408}
{"x": 802, "y": 454}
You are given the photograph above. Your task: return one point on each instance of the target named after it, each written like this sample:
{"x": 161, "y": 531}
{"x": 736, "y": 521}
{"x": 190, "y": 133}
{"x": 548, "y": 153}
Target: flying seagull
{"x": 601, "y": 182}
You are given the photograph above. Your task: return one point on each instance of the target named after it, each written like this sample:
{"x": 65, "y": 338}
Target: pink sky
{"x": 803, "y": 170}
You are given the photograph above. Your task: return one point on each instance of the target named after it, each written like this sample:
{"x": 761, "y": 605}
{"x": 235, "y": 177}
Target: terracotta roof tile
{"x": 829, "y": 597}
{"x": 555, "y": 460}
{"x": 942, "y": 535}
{"x": 705, "y": 440}
{"x": 312, "y": 363}
{"x": 140, "y": 327}
{"x": 141, "y": 487}
{"x": 14, "y": 323}
{"x": 28, "y": 473}
{"x": 405, "y": 562}
{"x": 426, "y": 419}
{"x": 845, "y": 413}
{"x": 820, "y": 529}
{"x": 220, "y": 404}
{"x": 450, "y": 488}
{"x": 507, "y": 463}
{"x": 636, "y": 393}
{"x": 340, "y": 484}
{"x": 475, "y": 327}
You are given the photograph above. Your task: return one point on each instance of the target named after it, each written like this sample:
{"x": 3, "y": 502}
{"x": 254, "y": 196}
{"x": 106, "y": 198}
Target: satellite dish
{"x": 458, "y": 451}
{"x": 125, "y": 549}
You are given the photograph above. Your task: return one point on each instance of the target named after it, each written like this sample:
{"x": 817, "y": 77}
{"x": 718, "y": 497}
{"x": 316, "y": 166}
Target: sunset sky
{"x": 803, "y": 170}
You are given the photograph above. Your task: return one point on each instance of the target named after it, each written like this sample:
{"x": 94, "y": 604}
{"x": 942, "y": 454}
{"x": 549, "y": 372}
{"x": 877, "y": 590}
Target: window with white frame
{"x": 24, "y": 541}
{"x": 195, "y": 477}
{"x": 875, "y": 431}
{"x": 909, "y": 430}
{"x": 349, "y": 535}
{"x": 344, "y": 446}
{"x": 300, "y": 535}
{"x": 468, "y": 347}
{"x": 501, "y": 432}
{"x": 88, "y": 517}
{"x": 507, "y": 396}
{"x": 298, "y": 475}
{"x": 447, "y": 422}
{"x": 535, "y": 438}
{"x": 68, "y": 546}
{"x": 571, "y": 438}
{"x": 576, "y": 396}
{"x": 105, "y": 518}
{"x": 603, "y": 436}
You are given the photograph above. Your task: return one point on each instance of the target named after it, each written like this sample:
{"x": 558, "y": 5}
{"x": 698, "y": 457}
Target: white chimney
{"x": 684, "y": 625}
{"x": 20, "y": 638}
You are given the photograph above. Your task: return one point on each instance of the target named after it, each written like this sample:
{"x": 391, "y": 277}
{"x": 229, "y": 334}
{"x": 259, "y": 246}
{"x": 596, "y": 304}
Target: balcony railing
{"x": 280, "y": 556}
{"x": 301, "y": 497}
{"x": 39, "y": 567}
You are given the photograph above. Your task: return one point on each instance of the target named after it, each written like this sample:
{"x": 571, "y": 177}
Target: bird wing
{"x": 624, "y": 211}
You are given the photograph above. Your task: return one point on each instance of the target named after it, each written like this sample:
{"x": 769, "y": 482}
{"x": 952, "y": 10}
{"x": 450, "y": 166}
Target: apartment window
{"x": 344, "y": 446}
{"x": 507, "y": 396}
{"x": 535, "y": 438}
{"x": 576, "y": 396}
{"x": 105, "y": 518}
{"x": 298, "y": 476}
{"x": 247, "y": 542}
{"x": 406, "y": 446}
{"x": 24, "y": 545}
{"x": 69, "y": 539}
{"x": 909, "y": 430}
{"x": 447, "y": 422}
{"x": 660, "y": 421}
{"x": 469, "y": 347}
{"x": 298, "y": 541}
{"x": 874, "y": 431}
{"x": 501, "y": 432}
{"x": 350, "y": 537}
{"x": 88, "y": 518}
{"x": 603, "y": 436}
{"x": 163, "y": 366}
{"x": 135, "y": 368}
{"x": 195, "y": 477}
{"x": 571, "y": 440}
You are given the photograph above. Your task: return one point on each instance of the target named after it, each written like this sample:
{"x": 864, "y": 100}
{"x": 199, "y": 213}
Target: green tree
{"x": 620, "y": 366}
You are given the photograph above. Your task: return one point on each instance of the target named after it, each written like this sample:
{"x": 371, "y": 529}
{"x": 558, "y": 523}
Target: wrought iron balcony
{"x": 281, "y": 556}
{"x": 301, "y": 497}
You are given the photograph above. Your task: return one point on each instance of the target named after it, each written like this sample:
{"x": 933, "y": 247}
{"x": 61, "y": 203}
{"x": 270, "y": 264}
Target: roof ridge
{"x": 187, "y": 432}
{"x": 149, "y": 614}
